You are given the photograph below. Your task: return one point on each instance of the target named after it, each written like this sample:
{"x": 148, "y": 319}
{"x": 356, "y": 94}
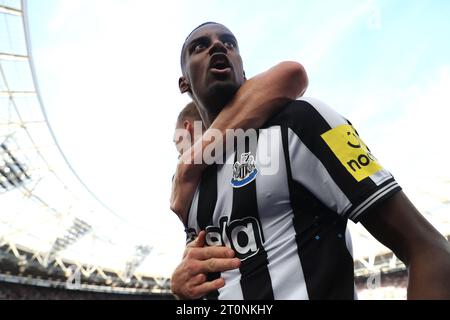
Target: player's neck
{"x": 209, "y": 114}
{"x": 211, "y": 105}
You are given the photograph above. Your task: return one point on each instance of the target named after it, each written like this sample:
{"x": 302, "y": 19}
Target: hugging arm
{"x": 257, "y": 100}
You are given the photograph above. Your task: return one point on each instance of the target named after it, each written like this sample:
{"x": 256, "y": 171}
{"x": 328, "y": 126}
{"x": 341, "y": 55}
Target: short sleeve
{"x": 329, "y": 158}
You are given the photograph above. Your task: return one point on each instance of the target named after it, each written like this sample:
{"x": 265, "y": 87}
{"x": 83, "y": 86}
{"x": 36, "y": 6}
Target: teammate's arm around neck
{"x": 257, "y": 100}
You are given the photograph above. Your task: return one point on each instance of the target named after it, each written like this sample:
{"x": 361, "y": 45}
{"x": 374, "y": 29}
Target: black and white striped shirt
{"x": 289, "y": 227}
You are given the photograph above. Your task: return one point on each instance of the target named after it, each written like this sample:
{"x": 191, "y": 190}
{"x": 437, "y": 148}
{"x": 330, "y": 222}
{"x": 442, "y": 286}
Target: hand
{"x": 189, "y": 279}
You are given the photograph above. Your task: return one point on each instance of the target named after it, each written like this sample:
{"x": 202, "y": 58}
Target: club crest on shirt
{"x": 244, "y": 171}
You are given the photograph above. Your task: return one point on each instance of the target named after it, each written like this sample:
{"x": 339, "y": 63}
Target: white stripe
{"x": 333, "y": 118}
{"x": 348, "y": 241}
{"x": 349, "y": 245}
{"x": 232, "y": 289}
{"x": 363, "y": 204}
{"x": 381, "y": 177}
{"x": 276, "y": 214}
{"x": 192, "y": 219}
{"x": 224, "y": 203}
{"x": 356, "y": 215}
{"x": 370, "y": 198}
{"x": 224, "y": 206}
{"x": 311, "y": 173}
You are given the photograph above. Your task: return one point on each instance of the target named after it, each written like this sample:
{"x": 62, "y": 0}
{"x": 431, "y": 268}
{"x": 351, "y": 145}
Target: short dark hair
{"x": 189, "y": 112}
{"x": 182, "y": 58}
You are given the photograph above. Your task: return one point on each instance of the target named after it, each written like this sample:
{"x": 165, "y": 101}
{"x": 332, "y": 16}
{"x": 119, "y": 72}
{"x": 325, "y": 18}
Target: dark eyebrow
{"x": 196, "y": 40}
{"x": 229, "y": 36}
{"x": 224, "y": 36}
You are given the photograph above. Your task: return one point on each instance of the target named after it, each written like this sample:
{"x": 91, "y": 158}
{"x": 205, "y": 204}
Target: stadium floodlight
{"x": 77, "y": 231}
{"x": 141, "y": 253}
{"x": 13, "y": 173}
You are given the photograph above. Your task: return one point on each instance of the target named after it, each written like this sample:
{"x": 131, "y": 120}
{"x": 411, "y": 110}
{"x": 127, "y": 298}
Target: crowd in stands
{"x": 390, "y": 286}
{"x": 13, "y": 291}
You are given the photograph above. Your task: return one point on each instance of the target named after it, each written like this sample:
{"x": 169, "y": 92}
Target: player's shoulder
{"x": 305, "y": 110}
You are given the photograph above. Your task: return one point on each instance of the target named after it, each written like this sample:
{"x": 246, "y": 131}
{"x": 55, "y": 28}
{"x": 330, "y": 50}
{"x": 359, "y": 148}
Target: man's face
{"x": 213, "y": 66}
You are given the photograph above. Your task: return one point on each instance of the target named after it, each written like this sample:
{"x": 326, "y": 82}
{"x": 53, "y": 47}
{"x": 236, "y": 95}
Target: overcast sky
{"x": 108, "y": 72}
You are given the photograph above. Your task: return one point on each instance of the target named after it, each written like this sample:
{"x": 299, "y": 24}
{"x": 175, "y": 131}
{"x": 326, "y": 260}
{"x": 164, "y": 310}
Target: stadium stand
{"x": 41, "y": 234}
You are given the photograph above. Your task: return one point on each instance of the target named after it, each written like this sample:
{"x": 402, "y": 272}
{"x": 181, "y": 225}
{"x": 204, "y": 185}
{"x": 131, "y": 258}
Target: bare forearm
{"x": 263, "y": 96}
{"x": 429, "y": 274}
{"x": 256, "y": 101}
{"x": 399, "y": 225}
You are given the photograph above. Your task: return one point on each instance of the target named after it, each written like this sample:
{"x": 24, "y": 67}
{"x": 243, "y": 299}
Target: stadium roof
{"x": 46, "y": 208}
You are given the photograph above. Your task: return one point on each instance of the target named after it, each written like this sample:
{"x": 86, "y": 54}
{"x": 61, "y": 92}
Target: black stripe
{"x": 320, "y": 235}
{"x": 255, "y": 281}
{"x": 206, "y": 205}
{"x": 379, "y": 201}
{"x": 309, "y": 125}
{"x": 357, "y": 204}
{"x": 207, "y": 198}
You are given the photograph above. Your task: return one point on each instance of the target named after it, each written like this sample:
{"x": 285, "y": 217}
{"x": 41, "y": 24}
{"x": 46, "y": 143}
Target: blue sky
{"x": 108, "y": 72}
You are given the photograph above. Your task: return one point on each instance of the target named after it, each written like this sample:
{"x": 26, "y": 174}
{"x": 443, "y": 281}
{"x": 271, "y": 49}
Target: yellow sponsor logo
{"x": 352, "y": 152}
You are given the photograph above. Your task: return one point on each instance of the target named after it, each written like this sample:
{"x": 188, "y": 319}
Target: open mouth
{"x": 219, "y": 63}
